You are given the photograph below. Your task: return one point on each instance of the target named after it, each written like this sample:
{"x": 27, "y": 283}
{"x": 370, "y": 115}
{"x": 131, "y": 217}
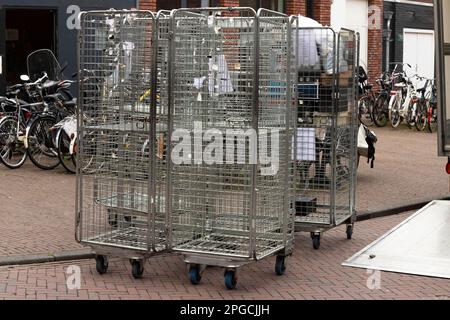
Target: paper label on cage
{"x": 199, "y": 96}
{"x": 214, "y": 67}
{"x": 306, "y": 144}
{"x": 198, "y": 82}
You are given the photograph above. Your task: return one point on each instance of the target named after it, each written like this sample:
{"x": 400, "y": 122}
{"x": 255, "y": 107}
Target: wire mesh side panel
{"x": 213, "y": 94}
{"x": 316, "y": 62}
{"x": 346, "y": 133}
{"x": 275, "y": 132}
{"x": 115, "y": 63}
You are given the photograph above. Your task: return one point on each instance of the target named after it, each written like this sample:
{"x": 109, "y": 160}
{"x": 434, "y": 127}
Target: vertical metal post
{"x": 255, "y": 123}
{"x": 333, "y": 129}
{"x": 151, "y": 205}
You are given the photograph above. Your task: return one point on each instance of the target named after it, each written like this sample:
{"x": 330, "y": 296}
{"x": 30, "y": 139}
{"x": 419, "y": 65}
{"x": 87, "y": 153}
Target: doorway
{"x": 26, "y": 30}
{"x": 418, "y": 51}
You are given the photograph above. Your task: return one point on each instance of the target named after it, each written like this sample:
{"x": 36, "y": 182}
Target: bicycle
{"x": 380, "y": 112}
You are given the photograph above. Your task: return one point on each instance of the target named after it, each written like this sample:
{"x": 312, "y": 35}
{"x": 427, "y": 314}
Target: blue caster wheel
{"x": 194, "y": 274}
{"x": 101, "y": 264}
{"x": 280, "y": 267}
{"x": 230, "y": 279}
{"x": 137, "y": 268}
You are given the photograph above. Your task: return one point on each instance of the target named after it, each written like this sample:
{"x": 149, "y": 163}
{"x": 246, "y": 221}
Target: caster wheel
{"x": 137, "y": 268}
{"x": 280, "y": 267}
{"x": 101, "y": 264}
{"x": 194, "y": 274}
{"x": 230, "y": 279}
{"x": 349, "y": 231}
{"x": 316, "y": 241}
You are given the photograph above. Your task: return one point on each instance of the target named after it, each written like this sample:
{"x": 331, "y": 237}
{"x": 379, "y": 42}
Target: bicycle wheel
{"x": 410, "y": 118}
{"x": 395, "y": 114}
{"x": 41, "y": 150}
{"x": 421, "y": 116}
{"x": 380, "y": 117}
{"x": 12, "y": 149}
{"x": 65, "y": 156}
{"x": 365, "y": 107}
{"x": 432, "y": 119}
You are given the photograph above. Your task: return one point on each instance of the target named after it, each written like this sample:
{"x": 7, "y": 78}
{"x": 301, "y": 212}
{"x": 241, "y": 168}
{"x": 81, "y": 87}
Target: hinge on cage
{"x": 170, "y": 35}
{"x": 337, "y": 95}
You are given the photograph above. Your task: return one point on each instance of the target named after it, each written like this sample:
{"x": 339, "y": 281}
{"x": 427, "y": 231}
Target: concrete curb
{"x": 82, "y": 254}
{"x": 43, "y": 258}
{"x": 366, "y": 215}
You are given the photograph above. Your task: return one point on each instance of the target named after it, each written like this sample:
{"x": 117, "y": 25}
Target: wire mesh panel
{"x": 326, "y": 134}
{"x": 275, "y": 131}
{"x": 230, "y": 100}
{"x": 120, "y": 203}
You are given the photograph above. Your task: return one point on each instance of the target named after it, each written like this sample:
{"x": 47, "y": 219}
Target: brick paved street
{"x": 407, "y": 169}
{"x": 37, "y": 214}
{"x": 37, "y": 207}
{"x": 310, "y": 275}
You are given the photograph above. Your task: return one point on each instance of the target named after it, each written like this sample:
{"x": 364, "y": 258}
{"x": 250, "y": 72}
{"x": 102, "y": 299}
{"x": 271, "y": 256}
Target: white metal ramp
{"x": 420, "y": 245}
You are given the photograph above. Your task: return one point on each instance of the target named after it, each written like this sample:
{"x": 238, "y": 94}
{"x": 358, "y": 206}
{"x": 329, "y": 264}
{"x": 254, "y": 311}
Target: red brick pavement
{"x": 310, "y": 274}
{"x": 37, "y": 207}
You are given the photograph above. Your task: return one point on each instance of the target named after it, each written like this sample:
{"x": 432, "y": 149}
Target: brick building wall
{"x": 375, "y": 40}
{"x": 147, "y": 5}
{"x": 295, "y": 7}
{"x": 322, "y": 11}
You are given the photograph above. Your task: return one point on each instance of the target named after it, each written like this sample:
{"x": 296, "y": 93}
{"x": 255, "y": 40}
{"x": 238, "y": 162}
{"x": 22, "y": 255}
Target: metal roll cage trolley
{"x": 222, "y": 78}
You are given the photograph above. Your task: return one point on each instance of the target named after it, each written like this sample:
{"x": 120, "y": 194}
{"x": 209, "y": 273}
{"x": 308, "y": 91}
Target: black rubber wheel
{"x": 12, "y": 151}
{"x": 365, "y": 111}
{"x": 137, "y": 268}
{"x": 421, "y": 117}
{"x": 230, "y": 279}
{"x": 432, "y": 120}
{"x": 101, "y": 264}
{"x": 280, "y": 266}
{"x": 194, "y": 274}
{"x": 316, "y": 241}
{"x": 380, "y": 118}
{"x": 349, "y": 231}
{"x": 67, "y": 160}
{"x": 41, "y": 150}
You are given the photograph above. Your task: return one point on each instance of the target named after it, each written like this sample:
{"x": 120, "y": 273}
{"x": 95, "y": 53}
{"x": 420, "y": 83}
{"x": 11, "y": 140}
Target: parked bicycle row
{"x": 37, "y": 117}
{"x": 398, "y": 100}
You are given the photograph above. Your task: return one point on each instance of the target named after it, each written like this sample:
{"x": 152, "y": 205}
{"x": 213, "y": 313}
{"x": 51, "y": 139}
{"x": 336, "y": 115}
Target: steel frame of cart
{"x": 121, "y": 179}
{"x": 231, "y": 72}
{"x": 327, "y": 131}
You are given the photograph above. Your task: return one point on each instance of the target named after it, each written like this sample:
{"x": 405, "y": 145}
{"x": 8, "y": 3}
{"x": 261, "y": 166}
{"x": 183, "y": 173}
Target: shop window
{"x": 274, "y": 5}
